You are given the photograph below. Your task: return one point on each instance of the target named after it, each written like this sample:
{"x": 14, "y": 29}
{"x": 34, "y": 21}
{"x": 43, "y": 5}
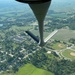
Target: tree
{"x": 15, "y": 68}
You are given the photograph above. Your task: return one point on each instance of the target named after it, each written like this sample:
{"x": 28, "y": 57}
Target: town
{"x": 17, "y": 48}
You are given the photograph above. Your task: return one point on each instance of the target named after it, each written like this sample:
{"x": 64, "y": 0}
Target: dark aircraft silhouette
{"x": 39, "y": 8}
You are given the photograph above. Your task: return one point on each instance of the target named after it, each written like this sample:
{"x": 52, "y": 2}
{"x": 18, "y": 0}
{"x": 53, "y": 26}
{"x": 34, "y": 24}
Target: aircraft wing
{"x": 35, "y": 38}
{"x": 51, "y": 35}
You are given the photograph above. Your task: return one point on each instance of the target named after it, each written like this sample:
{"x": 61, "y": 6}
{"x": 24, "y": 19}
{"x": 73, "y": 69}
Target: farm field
{"x": 64, "y": 35}
{"x": 36, "y": 32}
{"x": 29, "y": 69}
{"x": 69, "y": 54}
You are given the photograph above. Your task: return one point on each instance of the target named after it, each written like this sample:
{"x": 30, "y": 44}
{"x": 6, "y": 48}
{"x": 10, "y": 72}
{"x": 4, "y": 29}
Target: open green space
{"x": 59, "y": 15}
{"x": 21, "y": 27}
{"x": 36, "y": 32}
{"x": 64, "y": 35}
{"x": 29, "y": 69}
{"x": 58, "y": 46}
{"x": 3, "y": 18}
{"x": 7, "y": 74}
{"x": 69, "y": 54}
{"x": 73, "y": 47}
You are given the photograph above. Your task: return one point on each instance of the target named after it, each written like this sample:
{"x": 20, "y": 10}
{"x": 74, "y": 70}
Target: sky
{"x": 58, "y": 1}
{"x": 5, "y": 1}
{"x": 54, "y": 2}
{"x": 8, "y": 3}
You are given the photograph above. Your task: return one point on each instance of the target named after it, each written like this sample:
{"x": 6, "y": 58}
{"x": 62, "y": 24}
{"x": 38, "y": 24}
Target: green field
{"x": 36, "y": 32}
{"x": 69, "y": 54}
{"x": 6, "y": 73}
{"x": 73, "y": 47}
{"x": 29, "y": 69}
{"x": 64, "y": 35}
{"x": 58, "y": 46}
{"x": 21, "y": 27}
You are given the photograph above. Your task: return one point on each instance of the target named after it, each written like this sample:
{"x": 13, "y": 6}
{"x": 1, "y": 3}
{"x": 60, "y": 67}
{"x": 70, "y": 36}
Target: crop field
{"x": 64, "y": 35}
{"x": 69, "y": 54}
{"x": 29, "y": 69}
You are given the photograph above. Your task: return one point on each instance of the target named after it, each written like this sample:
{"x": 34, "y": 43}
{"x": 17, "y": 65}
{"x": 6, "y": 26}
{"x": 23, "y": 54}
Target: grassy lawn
{"x": 36, "y": 32}
{"x": 5, "y": 73}
{"x": 60, "y": 15}
{"x": 73, "y": 47}
{"x": 68, "y": 53}
{"x": 3, "y": 18}
{"x": 58, "y": 46}
{"x": 21, "y": 27}
{"x": 29, "y": 69}
{"x": 64, "y": 35}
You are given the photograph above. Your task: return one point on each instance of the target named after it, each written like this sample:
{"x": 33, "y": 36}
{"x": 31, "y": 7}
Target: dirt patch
{"x": 60, "y": 45}
{"x": 72, "y": 53}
